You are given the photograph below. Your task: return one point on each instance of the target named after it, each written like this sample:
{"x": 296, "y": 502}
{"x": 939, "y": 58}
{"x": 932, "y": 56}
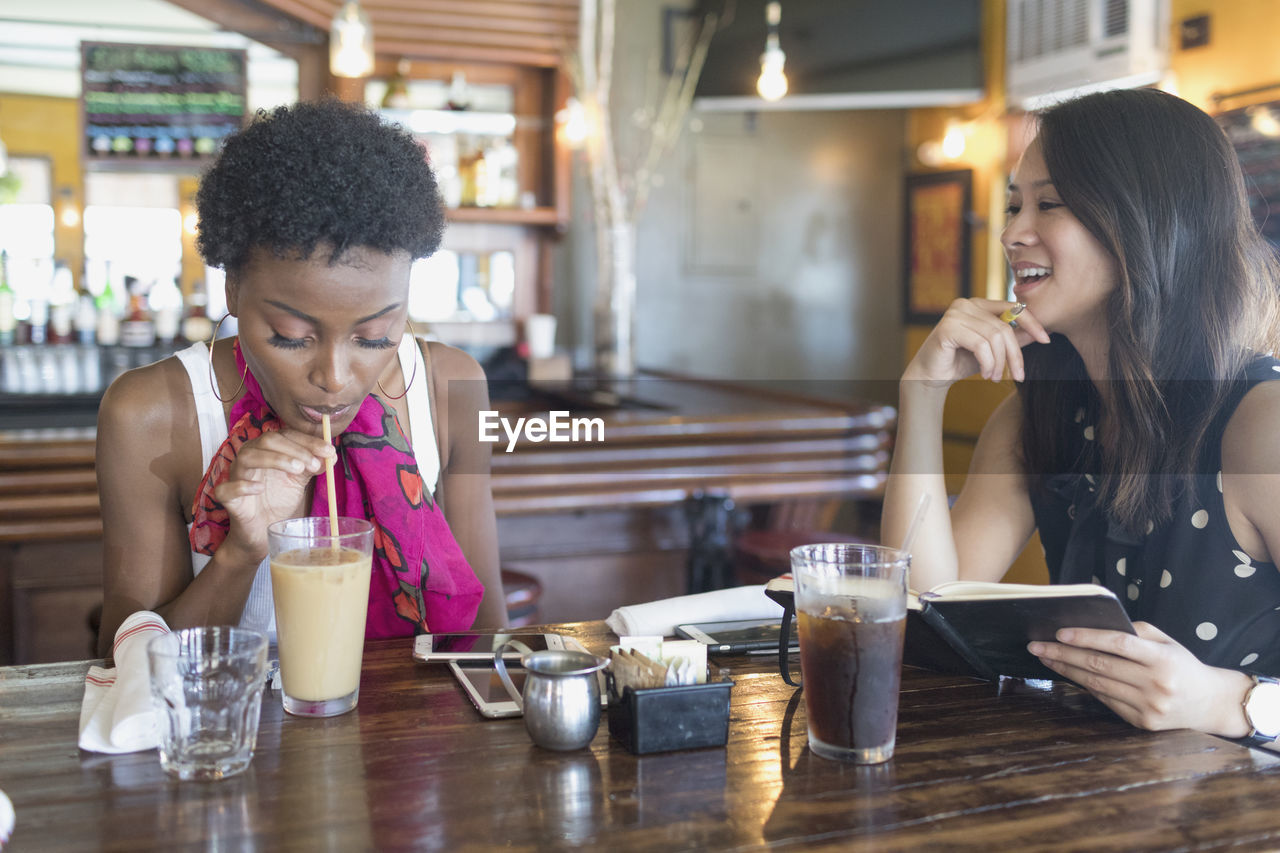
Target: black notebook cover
{"x": 991, "y": 635}
{"x": 987, "y": 637}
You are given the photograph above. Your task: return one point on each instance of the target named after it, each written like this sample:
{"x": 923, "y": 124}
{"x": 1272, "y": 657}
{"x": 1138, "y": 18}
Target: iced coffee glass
{"x": 851, "y": 602}
{"x": 320, "y": 582}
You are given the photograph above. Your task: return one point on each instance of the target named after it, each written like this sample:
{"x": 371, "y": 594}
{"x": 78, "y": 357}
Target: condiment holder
{"x": 661, "y": 719}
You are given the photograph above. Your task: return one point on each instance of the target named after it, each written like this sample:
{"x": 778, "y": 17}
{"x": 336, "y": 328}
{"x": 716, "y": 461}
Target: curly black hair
{"x": 327, "y": 174}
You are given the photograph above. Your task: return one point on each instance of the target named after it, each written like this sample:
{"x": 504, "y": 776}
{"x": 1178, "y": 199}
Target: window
{"x": 26, "y": 232}
{"x": 132, "y": 227}
{"x": 462, "y": 286}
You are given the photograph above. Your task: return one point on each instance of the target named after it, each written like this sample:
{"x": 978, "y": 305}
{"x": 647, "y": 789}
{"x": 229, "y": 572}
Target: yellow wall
{"x": 38, "y": 126}
{"x": 33, "y": 126}
{"x": 192, "y": 263}
{"x": 1243, "y": 50}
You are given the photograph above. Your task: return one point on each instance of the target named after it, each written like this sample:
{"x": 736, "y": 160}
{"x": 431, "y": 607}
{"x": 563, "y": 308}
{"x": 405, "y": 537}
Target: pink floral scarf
{"x": 420, "y": 576}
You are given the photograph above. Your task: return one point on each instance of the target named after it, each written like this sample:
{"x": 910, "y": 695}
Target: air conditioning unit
{"x": 1062, "y": 47}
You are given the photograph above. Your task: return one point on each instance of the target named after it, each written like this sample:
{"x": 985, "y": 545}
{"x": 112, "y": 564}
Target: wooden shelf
{"x": 504, "y": 215}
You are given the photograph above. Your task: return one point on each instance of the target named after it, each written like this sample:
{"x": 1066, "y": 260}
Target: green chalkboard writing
{"x": 159, "y": 105}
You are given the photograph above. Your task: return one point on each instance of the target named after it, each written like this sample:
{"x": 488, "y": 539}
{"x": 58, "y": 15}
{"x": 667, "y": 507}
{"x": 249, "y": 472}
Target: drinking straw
{"x": 333, "y": 493}
{"x": 915, "y": 524}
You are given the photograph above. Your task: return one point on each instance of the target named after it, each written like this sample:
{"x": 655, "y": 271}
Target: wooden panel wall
{"x": 519, "y": 32}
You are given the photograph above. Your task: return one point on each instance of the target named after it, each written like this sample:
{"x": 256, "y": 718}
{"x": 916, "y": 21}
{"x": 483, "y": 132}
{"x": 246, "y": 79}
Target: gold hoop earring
{"x": 213, "y": 383}
{"x": 412, "y": 376}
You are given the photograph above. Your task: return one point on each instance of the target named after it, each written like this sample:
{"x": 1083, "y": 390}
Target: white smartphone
{"x": 480, "y": 645}
{"x": 738, "y": 637}
{"x": 485, "y": 689}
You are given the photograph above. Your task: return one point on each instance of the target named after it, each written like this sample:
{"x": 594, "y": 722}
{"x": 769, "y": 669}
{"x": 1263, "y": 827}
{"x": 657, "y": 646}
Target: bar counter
{"x": 1022, "y": 765}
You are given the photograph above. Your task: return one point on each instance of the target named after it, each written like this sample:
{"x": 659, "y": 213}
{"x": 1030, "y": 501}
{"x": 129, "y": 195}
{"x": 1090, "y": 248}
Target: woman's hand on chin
{"x": 971, "y": 338}
{"x": 1149, "y": 679}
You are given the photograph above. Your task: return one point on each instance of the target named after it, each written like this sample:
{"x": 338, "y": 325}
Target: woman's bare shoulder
{"x": 151, "y": 411}
{"x": 1248, "y": 442}
{"x": 452, "y": 363}
{"x": 1008, "y": 414}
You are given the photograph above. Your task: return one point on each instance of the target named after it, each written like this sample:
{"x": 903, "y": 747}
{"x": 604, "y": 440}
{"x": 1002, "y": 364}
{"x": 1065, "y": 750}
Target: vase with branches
{"x": 620, "y": 181}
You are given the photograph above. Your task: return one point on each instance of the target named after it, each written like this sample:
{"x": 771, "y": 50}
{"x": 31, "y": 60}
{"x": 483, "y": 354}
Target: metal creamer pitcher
{"x": 561, "y": 697}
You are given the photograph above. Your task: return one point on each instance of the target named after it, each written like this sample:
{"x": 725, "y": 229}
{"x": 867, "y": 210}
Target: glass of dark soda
{"x": 851, "y": 602}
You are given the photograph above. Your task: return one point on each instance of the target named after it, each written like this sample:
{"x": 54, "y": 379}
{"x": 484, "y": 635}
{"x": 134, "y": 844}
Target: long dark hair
{"x": 1156, "y": 181}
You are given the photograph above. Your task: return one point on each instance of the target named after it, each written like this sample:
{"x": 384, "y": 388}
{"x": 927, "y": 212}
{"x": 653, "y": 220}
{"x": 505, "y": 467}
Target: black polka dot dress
{"x": 1188, "y": 576}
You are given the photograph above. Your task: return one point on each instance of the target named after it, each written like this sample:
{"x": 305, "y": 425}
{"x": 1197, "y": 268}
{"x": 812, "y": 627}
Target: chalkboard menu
{"x": 1254, "y": 131}
{"x": 163, "y": 106}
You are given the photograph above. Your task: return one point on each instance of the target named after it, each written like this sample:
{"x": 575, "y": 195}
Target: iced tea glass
{"x": 320, "y": 583}
{"x": 851, "y": 602}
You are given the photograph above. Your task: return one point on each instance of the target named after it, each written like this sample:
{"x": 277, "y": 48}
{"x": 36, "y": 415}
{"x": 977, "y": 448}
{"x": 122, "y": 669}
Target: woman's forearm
{"x": 917, "y": 470}
{"x": 218, "y": 594}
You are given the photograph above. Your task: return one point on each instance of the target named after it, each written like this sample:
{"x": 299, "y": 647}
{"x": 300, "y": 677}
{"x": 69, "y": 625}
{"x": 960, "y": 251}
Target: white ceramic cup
{"x": 540, "y": 332}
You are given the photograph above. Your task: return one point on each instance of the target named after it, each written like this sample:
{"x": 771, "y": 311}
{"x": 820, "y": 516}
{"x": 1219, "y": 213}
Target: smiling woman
{"x": 316, "y": 213}
{"x": 1145, "y": 412}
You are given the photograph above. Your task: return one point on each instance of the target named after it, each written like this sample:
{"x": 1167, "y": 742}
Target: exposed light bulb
{"x": 953, "y": 142}
{"x": 350, "y": 42}
{"x": 573, "y": 122}
{"x": 930, "y": 153}
{"x": 772, "y": 84}
{"x": 1264, "y": 121}
{"x": 69, "y": 211}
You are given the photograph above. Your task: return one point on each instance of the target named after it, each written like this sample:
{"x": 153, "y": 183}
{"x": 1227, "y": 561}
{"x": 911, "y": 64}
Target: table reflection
{"x": 327, "y": 798}
{"x": 810, "y": 783}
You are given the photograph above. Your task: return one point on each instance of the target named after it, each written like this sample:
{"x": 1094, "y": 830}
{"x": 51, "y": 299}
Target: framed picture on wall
{"x": 936, "y": 242}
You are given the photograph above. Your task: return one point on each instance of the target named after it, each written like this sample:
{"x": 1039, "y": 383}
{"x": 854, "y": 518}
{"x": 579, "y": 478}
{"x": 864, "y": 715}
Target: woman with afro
{"x": 316, "y": 213}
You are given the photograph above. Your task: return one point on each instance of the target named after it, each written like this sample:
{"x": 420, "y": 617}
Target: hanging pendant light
{"x": 350, "y": 42}
{"x": 772, "y": 83}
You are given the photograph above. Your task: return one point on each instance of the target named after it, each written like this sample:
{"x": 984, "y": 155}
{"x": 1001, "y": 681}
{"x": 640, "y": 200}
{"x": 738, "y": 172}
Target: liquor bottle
{"x": 38, "y": 321}
{"x": 62, "y": 304}
{"x": 8, "y": 322}
{"x": 470, "y": 158}
{"x": 108, "y": 322}
{"x": 197, "y": 326}
{"x": 85, "y": 321}
{"x": 165, "y": 300}
{"x": 397, "y": 96}
{"x": 138, "y": 328}
{"x": 459, "y": 94}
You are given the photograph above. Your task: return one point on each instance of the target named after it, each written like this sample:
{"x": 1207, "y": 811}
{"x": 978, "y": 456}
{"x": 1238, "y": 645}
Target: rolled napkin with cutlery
{"x": 116, "y": 714}
{"x": 662, "y": 617}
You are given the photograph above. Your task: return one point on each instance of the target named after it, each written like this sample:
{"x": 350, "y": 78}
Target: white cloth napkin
{"x": 662, "y": 617}
{"x": 117, "y": 715}
{"x": 6, "y": 819}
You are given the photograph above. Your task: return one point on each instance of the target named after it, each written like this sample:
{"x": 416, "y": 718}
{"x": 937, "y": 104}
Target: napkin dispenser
{"x": 662, "y": 719}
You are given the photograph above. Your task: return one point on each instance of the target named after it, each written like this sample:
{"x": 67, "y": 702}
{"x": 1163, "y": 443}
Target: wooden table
{"x": 1016, "y": 766}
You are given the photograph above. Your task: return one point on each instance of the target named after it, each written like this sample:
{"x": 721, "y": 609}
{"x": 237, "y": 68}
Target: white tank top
{"x": 259, "y": 611}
